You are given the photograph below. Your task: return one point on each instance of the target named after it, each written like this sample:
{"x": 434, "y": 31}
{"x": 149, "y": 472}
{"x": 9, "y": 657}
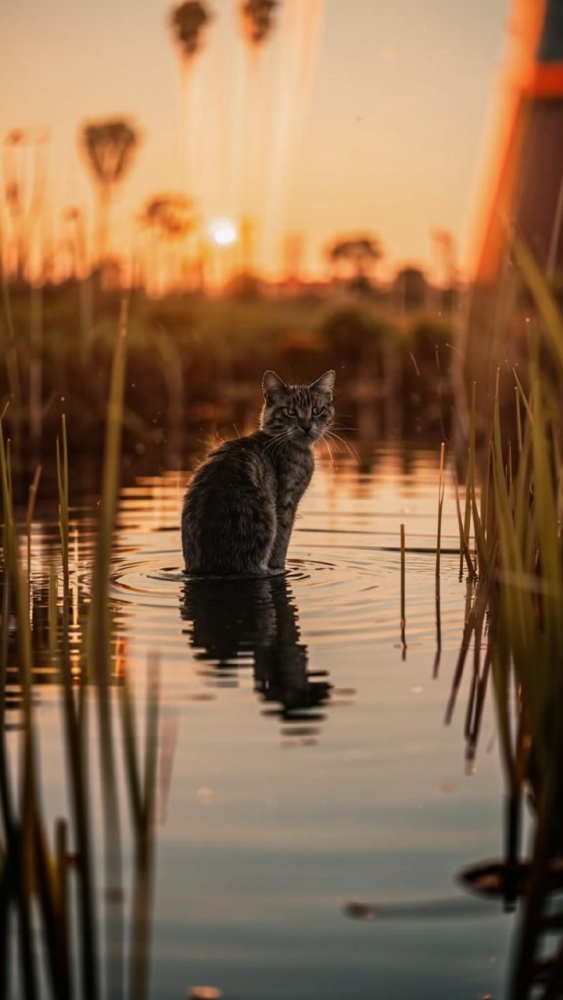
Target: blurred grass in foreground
{"x": 49, "y": 880}
{"x": 510, "y": 541}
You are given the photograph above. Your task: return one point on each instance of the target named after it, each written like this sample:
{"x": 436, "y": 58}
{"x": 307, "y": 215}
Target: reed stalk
{"x": 12, "y": 366}
{"x": 35, "y": 879}
{"x": 403, "y": 593}
{"x": 99, "y": 645}
{"x": 441, "y": 489}
{"x": 516, "y": 526}
{"x": 29, "y": 522}
{"x": 75, "y": 730}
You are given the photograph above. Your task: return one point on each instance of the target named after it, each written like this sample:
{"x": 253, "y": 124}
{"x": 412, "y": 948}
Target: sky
{"x": 386, "y": 136}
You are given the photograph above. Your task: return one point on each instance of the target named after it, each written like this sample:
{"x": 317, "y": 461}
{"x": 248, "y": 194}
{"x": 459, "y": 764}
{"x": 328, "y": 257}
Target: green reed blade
{"x": 151, "y": 738}
{"x": 63, "y": 908}
{"x": 75, "y": 732}
{"x": 473, "y": 617}
{"x": 480, "y": 539}
{"x": 523, "y": 399}
{"x": 521, "y": 502}
{"x": 6, "y": 794}
{"x": 140, "y": 926}
{"x": 29, "y": 520}
{"x": 99, "y": 646}
{"x": 12, "y": 368}
{"x": 19, "y": 588}
{"x": 501, "y": 674}
{"x": 99, "y": 632}
{"x": 545, "y": 302}
{"x": 441, "y": 489}
{"x": 518, "y": 418}
{"x": 463, "y": 528}
{"x": 516, "y": 600}
{"x": 47, "y": 891}
{"x": 403, "y": 596}
{"x": 63, "y": 489}
{"x": 130, "y": 752}
{"x": 547, "y": 522}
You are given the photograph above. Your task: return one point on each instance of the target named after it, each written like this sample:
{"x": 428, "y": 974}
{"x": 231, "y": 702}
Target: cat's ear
{"x": 325, "y": 383}
{"x": 272, "y": 383}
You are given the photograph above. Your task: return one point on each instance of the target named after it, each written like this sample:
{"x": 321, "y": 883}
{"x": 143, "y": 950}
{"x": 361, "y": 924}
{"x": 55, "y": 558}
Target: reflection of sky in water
{"x": 272, "y": 825}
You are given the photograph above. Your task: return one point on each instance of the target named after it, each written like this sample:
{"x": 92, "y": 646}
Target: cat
{"x": 240, "y": 507}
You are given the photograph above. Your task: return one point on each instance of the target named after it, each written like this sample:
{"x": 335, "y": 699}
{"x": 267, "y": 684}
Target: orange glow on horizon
{"x": 354, "y": 121}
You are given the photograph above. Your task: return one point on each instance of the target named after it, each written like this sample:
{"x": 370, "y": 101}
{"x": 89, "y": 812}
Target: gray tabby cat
{"x": 240, "y": 506}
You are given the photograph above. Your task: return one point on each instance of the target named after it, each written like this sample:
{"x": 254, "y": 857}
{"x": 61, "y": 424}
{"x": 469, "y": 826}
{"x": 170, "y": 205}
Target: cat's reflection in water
{"x": 234, "y": 623}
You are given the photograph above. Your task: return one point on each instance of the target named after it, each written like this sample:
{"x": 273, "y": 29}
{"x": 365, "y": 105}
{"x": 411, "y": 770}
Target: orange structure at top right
{"x": 523, "y": 186}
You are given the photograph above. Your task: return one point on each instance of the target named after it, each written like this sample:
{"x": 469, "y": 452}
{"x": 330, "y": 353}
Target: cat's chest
{"x": 294, "y": 474}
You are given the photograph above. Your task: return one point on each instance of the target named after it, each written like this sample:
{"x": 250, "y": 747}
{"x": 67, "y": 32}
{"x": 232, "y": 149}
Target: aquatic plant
{"x": 512, "y": 511}
{"x": 37, "y": 869}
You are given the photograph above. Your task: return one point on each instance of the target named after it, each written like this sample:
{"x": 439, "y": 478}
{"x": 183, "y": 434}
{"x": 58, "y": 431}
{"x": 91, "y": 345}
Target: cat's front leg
{"x": 281, "y": 544}
{"x": 293, "y": 480}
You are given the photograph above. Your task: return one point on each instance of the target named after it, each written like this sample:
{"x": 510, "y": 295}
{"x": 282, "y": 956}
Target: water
{"x": 314, "y": 808}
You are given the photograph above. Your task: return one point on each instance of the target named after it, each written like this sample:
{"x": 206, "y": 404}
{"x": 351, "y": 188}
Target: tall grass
{"x": 513, "y": 513}
{"x": 36, "y": 876}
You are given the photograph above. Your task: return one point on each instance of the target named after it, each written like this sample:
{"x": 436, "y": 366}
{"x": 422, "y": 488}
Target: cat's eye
{"x": 317, "y": 410}
{"x": 289, "y": 411}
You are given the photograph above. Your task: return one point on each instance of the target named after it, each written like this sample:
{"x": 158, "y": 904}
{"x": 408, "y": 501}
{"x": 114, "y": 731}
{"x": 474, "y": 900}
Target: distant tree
{"x": 411, "y": 288}
{"x": 24, "y": 167}
{"x": 170, "y": 218}
{"x": 355, "y": 257}
{"x": 14, "y": 174}
{"x": 258, "y": 19}
{"x": 75, "y": 240}
{"x": 108, "y": 147}
{"x": 356, "y": 335}
{"x": 170, "y": 215}
{"x": 187, "y": 21}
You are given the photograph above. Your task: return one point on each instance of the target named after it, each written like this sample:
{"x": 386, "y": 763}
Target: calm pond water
{"x": 315, "y": 801}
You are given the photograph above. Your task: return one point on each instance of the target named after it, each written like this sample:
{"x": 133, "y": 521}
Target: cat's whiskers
{"x": 329, "y": 449}
{"x": 277, "y": 444}
{"x": 282, "y": 444}
{"x": 351, "y": 451}
{"x": 274, "y": 440}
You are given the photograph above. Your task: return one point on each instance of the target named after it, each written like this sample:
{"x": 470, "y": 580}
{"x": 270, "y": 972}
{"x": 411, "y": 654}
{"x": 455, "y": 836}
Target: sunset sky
{"x": 388, "y": 139}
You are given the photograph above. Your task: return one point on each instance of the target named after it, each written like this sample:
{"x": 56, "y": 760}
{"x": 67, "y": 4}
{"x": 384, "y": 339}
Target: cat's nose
{"x": 306, "y": 425}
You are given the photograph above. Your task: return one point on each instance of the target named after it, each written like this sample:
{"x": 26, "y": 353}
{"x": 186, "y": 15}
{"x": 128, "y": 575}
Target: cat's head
{"x": 299, "y": 412}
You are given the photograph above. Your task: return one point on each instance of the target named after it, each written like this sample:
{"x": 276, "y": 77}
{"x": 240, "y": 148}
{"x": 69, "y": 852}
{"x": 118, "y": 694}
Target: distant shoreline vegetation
{"x": 188, "y": 353}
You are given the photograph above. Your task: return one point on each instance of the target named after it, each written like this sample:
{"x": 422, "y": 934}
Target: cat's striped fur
{"x": 240, "y": 506}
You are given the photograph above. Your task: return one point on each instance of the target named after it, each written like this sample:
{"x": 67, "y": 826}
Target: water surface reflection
{"x": 258, "y": 849}
{"x": 240, "y": 624}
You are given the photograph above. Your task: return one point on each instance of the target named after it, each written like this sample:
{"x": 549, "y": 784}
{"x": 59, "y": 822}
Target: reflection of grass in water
{"x": 516, "y": 622}
{"x": 35, "y": 872}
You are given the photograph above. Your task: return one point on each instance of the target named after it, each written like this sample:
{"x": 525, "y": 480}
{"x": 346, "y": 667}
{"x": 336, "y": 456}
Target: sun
{"x": 223, "y": 232}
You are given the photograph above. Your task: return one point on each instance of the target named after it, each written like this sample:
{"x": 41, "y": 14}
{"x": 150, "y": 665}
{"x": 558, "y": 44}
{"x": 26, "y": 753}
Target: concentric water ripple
{"x": 341, "y": 596}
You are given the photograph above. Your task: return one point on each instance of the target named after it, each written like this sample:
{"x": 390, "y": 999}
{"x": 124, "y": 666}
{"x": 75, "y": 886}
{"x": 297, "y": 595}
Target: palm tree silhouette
{"x": 258, "y": 19}
{"x": 170, "y": 218}
{"x": 187, "y": 21}
{"x": 171, "y": 215}
{"x": 14, "y": 173}
{"x": 108, "y": 147}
